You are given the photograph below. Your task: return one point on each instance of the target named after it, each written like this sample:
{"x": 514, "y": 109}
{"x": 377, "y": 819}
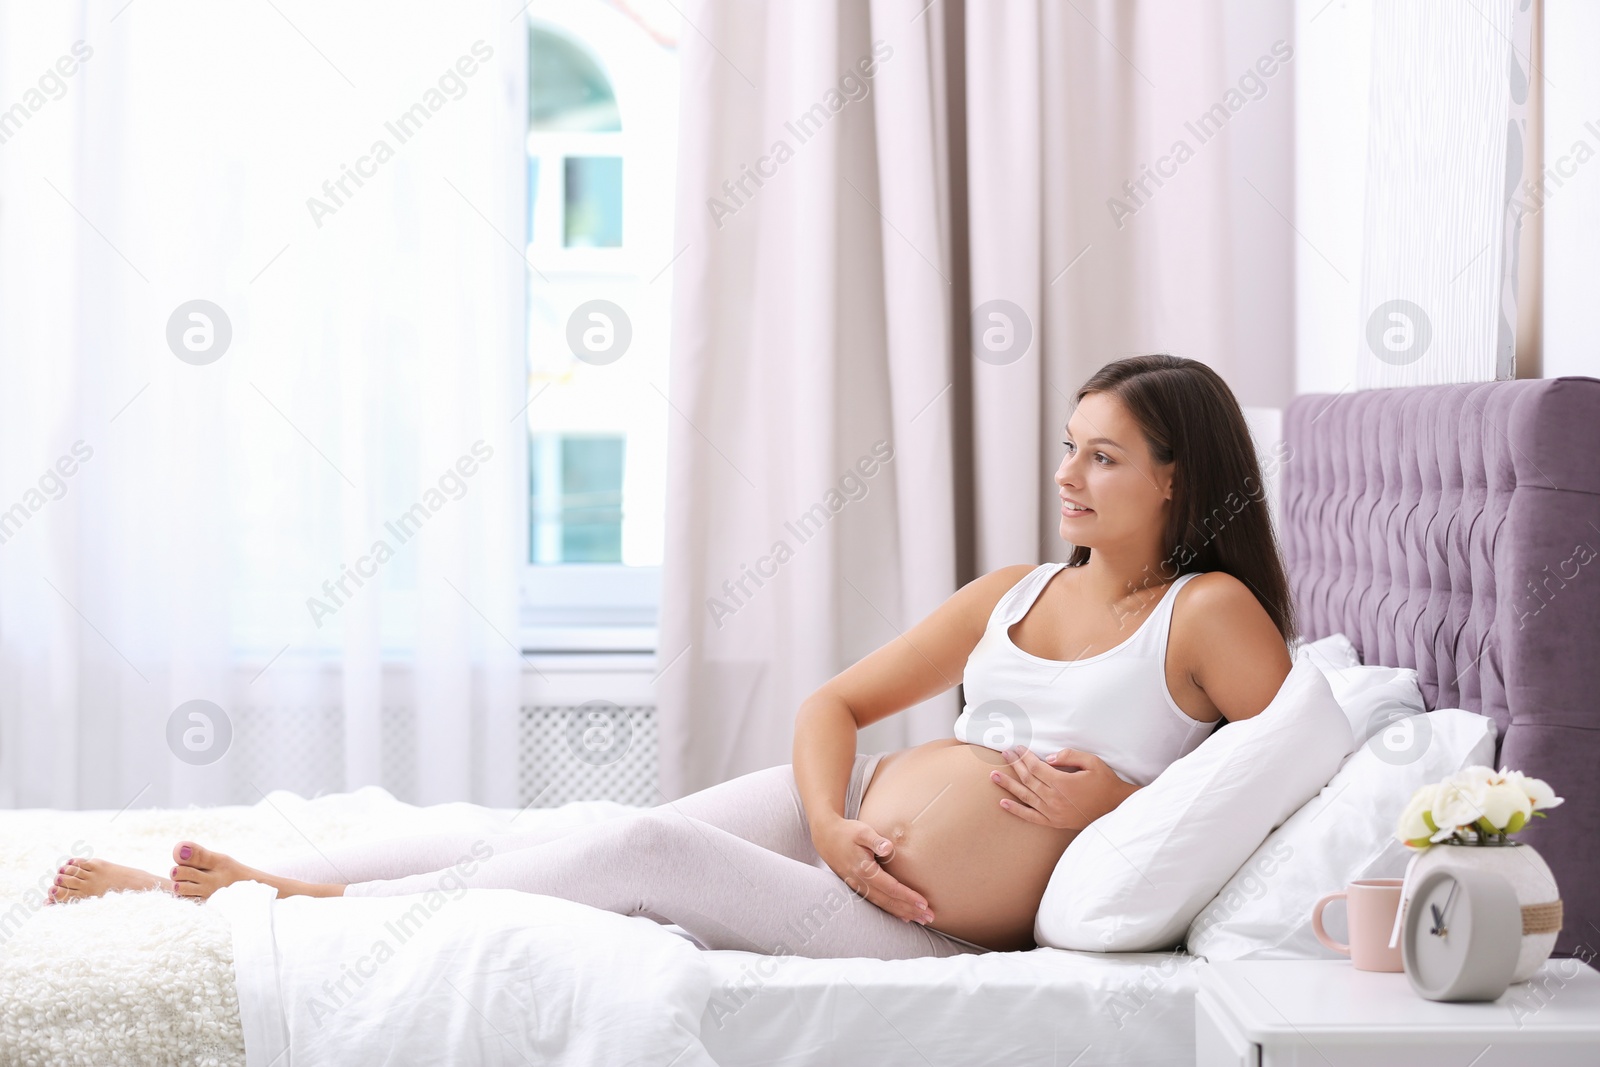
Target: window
{"x": 593, "y": 208}
{"x": 575, "y": 483}
{"x": 601, "y": 148}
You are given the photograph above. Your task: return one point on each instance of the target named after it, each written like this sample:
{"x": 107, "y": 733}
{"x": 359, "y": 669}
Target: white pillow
{"x": 1344, "y": 833}
{"x": 1373, "y": 698}
{"x": 1135, "y": 878}
{"x": 1335, "y": 650}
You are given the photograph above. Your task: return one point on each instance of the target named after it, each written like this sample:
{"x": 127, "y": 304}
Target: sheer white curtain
{"x": 316, "y": 530}
{"x": 841, "y": 234}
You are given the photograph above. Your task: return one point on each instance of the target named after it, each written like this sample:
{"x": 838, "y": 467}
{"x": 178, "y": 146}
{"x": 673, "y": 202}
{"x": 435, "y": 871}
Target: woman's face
{"x": 1107, "y": 467}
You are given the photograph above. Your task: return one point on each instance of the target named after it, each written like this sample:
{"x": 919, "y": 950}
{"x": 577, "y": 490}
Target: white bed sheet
{"x": 1045, "y": 1006}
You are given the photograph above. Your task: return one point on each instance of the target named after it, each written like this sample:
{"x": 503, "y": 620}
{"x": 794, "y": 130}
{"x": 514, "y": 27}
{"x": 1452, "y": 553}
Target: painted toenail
{"x": 183, "y": 853}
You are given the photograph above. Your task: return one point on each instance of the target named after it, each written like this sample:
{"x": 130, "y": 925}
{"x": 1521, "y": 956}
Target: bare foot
{"x": 201, "y": 872}
{"x": 79, "y": 879}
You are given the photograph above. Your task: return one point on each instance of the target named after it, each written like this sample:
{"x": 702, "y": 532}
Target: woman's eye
{"x": 1099, "y": 455}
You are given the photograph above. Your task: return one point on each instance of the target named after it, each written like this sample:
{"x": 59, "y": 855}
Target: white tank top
{"x": 1115, "y": 705}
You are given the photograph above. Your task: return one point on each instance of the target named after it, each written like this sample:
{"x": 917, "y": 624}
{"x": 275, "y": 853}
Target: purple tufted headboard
{"x": 1455, "y": 529}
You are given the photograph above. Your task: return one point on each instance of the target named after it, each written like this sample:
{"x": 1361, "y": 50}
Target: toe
{"x": 72, "y": 881}
{"x": 188, "y": 852}
{"x": 189, "y": 889}
{"x": 182, "y": 875}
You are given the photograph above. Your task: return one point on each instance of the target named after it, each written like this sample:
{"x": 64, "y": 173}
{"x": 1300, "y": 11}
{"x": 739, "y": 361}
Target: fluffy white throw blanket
{"x": 486, "y": 976}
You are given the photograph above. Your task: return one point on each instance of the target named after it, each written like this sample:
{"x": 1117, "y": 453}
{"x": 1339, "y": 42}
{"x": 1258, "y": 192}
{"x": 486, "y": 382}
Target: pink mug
{"x": 1370, "y": 905}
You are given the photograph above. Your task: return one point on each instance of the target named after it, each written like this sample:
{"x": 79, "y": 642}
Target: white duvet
{"x": 474, "y": 976}
{"x": 491, "y": 976}
{"x": 486, "y": 976}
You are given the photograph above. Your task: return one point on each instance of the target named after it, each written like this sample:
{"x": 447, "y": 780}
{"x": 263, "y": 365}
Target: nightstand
{"x": 1300, "y": 1013}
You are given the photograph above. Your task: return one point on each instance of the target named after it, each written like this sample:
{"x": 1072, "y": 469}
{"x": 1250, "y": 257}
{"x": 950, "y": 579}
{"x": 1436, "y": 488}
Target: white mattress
{"x": 1046, "y": 1006}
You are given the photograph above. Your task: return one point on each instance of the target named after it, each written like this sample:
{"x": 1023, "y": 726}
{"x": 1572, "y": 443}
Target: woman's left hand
{"x": 1068, "y": 791}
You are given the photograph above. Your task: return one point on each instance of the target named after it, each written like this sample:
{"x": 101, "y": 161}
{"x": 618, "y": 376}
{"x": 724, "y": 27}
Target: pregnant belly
{"x": 982, "y": 869}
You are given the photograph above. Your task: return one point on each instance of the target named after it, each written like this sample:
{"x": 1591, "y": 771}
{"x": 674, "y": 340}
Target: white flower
{"x": 1458, "y": 803}
{"x": 1476, "y": 775}
{"x": 1412, "y": 826}
{"x": 1503, "y": 801}
{"x": 1539, "y": 793}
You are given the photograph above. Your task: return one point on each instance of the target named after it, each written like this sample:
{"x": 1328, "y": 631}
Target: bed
{"x": 1416, "y": 521}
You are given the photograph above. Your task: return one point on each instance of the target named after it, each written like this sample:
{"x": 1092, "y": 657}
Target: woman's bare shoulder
{"x": 1223, "y": 636}
{"x": 969, "y": 607}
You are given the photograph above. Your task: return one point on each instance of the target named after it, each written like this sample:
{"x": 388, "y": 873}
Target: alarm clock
{"x": 1462, "y": 934}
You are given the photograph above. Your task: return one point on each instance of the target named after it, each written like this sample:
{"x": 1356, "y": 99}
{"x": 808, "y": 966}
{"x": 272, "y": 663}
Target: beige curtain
{"x": 906, "y": 241}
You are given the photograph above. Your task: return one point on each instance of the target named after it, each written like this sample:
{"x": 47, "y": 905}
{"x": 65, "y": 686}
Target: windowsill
{"x": 536, "y": 640}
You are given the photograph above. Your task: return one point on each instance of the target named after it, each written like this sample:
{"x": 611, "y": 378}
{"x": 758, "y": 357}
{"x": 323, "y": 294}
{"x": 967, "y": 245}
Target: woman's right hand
{"x": 855, "y": 851}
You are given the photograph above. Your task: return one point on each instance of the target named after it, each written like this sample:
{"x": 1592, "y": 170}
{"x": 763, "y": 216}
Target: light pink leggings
{"x": 733, "y": 865}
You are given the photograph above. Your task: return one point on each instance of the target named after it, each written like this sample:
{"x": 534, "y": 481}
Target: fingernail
{"x": 183, "y": 853}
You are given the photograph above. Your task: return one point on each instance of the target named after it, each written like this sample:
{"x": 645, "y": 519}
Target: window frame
{"x": 578, "y": 607}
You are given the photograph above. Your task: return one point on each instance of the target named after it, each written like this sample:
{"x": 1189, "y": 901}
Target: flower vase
{"x": 1519, "y": 864}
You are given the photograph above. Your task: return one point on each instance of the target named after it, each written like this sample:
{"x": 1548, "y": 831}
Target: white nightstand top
{"x": 1330, "y": 1001}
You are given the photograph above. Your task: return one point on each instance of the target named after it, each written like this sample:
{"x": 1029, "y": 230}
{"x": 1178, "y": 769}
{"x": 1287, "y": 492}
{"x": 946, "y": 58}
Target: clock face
{"x": 1443, "y": 933}
{"x": 1462, "y": 934}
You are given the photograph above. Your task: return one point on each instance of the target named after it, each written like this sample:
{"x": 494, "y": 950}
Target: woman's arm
{"x": 925, "y": 661}
{"x": 922, "y": 663}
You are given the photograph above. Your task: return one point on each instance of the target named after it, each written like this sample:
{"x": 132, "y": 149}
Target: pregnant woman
{"x": 1082, "y": 681}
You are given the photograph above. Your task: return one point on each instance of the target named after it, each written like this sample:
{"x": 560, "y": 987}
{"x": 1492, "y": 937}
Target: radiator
{"x": 587, "y": 752}
{"x": 566, "y": 748}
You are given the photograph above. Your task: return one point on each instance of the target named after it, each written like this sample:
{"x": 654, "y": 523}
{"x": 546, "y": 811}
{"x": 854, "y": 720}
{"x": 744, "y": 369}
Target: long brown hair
{"x": 1219, "y": 519}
